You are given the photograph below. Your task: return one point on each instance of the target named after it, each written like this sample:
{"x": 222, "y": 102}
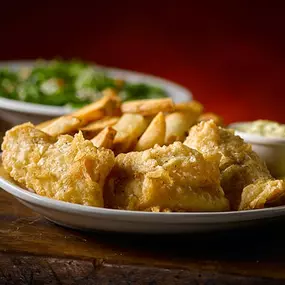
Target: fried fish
{"x": 167, "y": 178}
{"x": 66, "y": 168}
{"x": 244, "y": 176}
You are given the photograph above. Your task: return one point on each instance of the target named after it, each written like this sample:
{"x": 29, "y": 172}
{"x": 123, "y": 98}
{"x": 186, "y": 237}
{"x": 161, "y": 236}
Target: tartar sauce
{"x": 263, "y": 128}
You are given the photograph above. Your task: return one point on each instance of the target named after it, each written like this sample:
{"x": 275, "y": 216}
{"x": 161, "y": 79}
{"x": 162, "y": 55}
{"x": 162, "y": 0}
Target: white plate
{"x": 18, "y": 112}
{"x": 93, "y": 218}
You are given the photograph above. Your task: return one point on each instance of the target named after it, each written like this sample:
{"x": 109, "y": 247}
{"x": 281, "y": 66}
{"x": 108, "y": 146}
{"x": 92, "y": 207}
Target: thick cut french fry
{"x": 211, "y": 116}
{"x": 154, "y": 134}
{"x": 148, "y": 107}
{"x": 108, "y": 105}
{"x": 191, "y": 106}
{"x": 105, "y": 138}
{"x": 129, "y": 128}
{"x": 178, "y": 125}
{"x": 62, "y": 125}
{"x": 44, "y": 124}
{"x": 148, "y": 119}
{"x": 94, "y": 128}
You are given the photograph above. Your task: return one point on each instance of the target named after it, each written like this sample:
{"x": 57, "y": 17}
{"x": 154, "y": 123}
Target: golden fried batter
{"x": 173, "y": 177}
{"x": 263, "y": 193}
{"x": 67, "y": 168}
{"x": 240, "y": 166}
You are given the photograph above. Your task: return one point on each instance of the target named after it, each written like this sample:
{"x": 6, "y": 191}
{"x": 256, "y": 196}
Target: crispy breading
{"x": 240, "y": 166}
{"x": 172, "y": 177}
{"x": 263, "y": 193}
{"x": 68, "y": 169}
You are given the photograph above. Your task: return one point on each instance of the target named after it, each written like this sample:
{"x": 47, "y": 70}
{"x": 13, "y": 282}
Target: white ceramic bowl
{"x": 271, "y": 150}
{"x": 16, "y": 112}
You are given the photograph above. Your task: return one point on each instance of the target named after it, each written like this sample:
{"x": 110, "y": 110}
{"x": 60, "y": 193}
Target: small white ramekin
{"x": 270, "y": 149}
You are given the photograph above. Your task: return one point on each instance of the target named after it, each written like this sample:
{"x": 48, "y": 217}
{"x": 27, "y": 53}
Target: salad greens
{"x": 72, "y": 83}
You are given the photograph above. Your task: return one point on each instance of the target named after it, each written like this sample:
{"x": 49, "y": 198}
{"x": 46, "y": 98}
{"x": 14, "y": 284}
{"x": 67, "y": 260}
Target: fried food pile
{"x": 172, "y": 177}
{"x": 69, "y": 168}
{"x": 144, "y": 155}
{"x": 245, "y": 179}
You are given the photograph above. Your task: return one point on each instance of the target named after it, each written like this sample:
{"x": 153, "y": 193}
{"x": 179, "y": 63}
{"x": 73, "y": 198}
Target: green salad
{"x": 72, "y": 83}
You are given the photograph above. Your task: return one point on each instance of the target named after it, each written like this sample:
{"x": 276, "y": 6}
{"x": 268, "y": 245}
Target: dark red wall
{"x": 230, "y": 54}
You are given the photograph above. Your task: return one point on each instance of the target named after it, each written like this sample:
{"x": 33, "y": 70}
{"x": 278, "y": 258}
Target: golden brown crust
{"x": 67, "y": 168}
{"x": 242, "y": 171}
{"x": 173, "y": 177}
{"x": 178, "y": 125}
{"x": 211, "y": 116}
{"x": 105, "y": 138}
{"x": 154, "y": 134}
{"x": 96, "y": 127}
{"x": 148, "y": 107}
{"x": 263, "y": 193}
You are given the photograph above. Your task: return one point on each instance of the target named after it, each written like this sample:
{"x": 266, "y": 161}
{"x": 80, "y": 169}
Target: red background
{"x": 230, "y": 54}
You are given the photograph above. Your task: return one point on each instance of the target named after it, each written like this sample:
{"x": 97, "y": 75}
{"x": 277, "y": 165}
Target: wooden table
{"x": 35, "y": 251}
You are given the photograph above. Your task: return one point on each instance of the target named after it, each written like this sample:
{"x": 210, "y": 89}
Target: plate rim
{"x": 176, "y": 217}
{"x": 39, "y": 109}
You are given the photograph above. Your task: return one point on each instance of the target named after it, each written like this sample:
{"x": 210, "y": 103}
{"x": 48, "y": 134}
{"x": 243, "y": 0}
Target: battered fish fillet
{"x": 168, "y": 178}
{"x": 262, "y": 194}
{"x": 68, "y": 169}
{"x": 245, "y": 178}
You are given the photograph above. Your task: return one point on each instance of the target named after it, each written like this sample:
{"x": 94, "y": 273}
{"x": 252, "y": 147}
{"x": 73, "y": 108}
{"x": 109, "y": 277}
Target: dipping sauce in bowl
{"x": 268, "y": 141}
{"x": 263, "y": 128}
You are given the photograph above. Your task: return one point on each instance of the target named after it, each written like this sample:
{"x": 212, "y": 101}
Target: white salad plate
{"x": 100, "y": 219}
{"x": 17, "y": 112}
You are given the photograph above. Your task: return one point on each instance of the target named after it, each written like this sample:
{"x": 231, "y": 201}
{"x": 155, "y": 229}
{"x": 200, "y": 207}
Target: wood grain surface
{"x": 34, "y": 250}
